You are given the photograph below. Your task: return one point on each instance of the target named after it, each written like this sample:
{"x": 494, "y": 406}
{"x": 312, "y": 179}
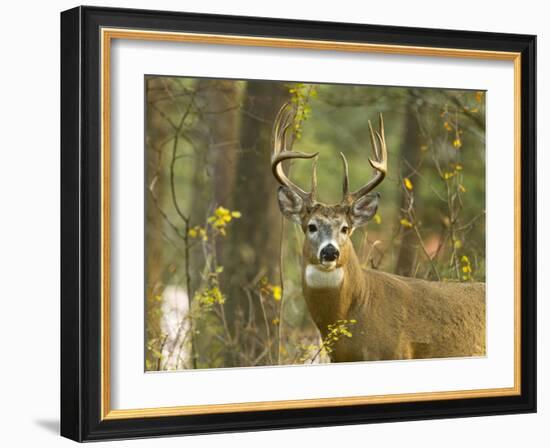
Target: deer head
{"x": 327, "y": 228}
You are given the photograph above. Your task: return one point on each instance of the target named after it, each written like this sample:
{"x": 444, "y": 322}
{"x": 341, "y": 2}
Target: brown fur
{"x": 398, "y": 317}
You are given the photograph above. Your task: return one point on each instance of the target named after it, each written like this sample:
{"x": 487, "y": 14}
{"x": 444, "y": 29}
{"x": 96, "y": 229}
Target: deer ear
{"x": 363, "y": 209}
{"x": 291, "y": 204}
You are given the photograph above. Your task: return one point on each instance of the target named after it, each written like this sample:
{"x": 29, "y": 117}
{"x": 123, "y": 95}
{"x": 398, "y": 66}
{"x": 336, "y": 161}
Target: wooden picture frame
{"x": 86, "y": 36}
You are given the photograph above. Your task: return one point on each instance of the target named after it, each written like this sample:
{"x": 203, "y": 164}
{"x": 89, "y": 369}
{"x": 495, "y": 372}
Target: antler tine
{"x": 346, "y": 176}
{"x": 280, "y": 153}
{"x": 379, "y": 163}
{"x": 373, "y": 136}
{"x": 283, "y": 120}
{"x": 313, "y": 193}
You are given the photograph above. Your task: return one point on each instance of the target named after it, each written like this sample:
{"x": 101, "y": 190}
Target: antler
{"x": 380, "y": 164}
{"x": 283, "y": 122}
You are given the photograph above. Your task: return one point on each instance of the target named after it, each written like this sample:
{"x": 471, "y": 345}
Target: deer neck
{"x": 330, "y": 294}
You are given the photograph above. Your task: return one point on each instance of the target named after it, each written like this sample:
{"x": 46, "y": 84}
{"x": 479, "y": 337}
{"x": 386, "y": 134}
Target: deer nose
{"x": 329, "y": 253}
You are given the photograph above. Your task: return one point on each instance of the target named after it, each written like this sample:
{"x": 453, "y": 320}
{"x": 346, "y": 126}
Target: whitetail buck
{"x": 396, "y": 317}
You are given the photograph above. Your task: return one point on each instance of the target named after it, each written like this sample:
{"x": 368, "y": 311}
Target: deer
{"x": 394, "y": 317}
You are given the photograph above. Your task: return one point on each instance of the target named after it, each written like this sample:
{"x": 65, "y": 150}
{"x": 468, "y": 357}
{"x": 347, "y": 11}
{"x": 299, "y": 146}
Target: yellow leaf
{"x": 277, "y": 292}
{"x": 406, "y": 223}
{"x": 457, "y": 143}
{"x": 236, "y": 214}
{"x": 221, "y": 211}
{"x": 377, "y": 219}
{"x": 408, "y": 183}
{"x": 462, "y": 188}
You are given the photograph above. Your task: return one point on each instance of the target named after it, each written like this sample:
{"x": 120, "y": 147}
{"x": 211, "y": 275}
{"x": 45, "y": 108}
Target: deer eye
{"x": 312, "y": 228}
{"x": 345, "y": 230}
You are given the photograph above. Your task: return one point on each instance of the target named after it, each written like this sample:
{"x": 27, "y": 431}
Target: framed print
{"x": 275, "y": 224}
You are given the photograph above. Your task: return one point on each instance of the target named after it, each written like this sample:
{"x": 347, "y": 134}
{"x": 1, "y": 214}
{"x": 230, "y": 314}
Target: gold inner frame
{"x": 107, "y": 35}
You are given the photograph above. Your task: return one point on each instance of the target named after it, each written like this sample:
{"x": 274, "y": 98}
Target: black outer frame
{"x": 81, "y": 221}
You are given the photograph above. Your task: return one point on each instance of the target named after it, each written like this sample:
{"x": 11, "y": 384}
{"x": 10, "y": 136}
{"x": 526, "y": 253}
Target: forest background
{"x": 223, "y": 280}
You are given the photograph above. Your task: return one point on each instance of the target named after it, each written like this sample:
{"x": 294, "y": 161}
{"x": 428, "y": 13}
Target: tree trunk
{"x": 217, "y": 136}
{"x": 410, "y": 151}
{"x": 252, "y": 246}
{"x": 218, "y": 103}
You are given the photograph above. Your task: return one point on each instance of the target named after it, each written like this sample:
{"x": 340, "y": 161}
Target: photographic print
{"x": 290, "y": 223}
{"x": 269, "y": 223}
